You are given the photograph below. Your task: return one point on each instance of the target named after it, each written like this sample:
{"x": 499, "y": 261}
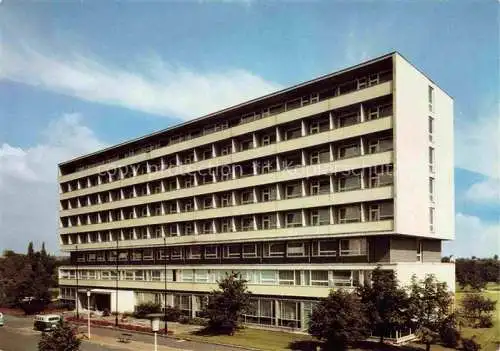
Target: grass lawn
{"x": 269, "y": 340}
{"x": 254, "y": 338}
{"x": 488, "y": 338}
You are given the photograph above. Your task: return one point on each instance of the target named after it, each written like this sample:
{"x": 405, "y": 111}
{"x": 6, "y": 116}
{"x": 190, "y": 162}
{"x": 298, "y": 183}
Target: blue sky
{"x": 77, "y": 76}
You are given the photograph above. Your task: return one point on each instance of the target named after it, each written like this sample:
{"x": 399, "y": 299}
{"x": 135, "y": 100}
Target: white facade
{"x": 328, "y": 180}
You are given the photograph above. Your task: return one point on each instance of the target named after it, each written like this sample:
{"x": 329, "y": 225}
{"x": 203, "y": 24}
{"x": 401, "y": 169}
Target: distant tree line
{"x": 475, "y": 273}
{"x": 27, "y": 277}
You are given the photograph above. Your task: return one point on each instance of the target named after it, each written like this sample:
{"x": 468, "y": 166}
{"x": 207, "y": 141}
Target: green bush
{"x": 145, "y": 308}
{"x": 63, "y": 338}
{"x": 173, "y": 314}
{"x": 184, "y": 319}
{"x": 450, "y": 336}
{"x": 198, "y": 321}
{"x": 470, "y": 345}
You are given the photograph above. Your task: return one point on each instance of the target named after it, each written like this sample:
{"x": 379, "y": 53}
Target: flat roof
{"x": 234, "y": 107}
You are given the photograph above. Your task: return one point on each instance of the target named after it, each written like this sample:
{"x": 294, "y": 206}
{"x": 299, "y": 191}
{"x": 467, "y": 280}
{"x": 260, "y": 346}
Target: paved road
{"x": 18, "y": 335}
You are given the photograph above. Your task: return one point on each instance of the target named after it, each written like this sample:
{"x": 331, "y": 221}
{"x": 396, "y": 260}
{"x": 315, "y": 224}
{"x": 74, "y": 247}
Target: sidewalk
{"x": 133, "y": 345}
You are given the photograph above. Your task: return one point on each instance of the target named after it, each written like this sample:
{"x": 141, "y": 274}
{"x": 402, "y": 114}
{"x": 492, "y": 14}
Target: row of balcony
{"x": 378, "y": 143}
{"x": 193, "y": 133}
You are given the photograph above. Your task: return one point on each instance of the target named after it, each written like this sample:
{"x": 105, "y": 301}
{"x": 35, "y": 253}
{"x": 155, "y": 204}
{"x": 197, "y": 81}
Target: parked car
{"x": 1, "y": 319}
{"x": 46, "y": 322}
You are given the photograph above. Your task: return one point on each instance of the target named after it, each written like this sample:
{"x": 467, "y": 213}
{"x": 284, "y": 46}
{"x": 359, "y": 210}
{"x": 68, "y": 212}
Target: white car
{"x": 1, "y": 319}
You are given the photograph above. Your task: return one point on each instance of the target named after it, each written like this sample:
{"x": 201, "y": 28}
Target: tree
{"x": 384, "y": 302}
{"x": 63, "y": 338}
{"x": 31, "y": 251}
{"x": 430, "y": 305}
{"x": 339, "y": 320}
{"x": 226, "y": 305}
{"x": 477, "y": 310}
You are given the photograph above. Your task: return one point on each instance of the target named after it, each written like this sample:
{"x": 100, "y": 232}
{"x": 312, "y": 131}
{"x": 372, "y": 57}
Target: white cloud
{"x": 487, "y": 191}
{"x": 28, "y": 183}
{"x": 477, "y": 144}
{"x": 474, "y": 237}
{"x": 154, "y": 86}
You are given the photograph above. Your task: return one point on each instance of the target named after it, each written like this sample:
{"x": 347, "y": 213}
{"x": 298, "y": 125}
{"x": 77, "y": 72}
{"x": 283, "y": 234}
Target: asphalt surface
{"x": 18, "y": 335}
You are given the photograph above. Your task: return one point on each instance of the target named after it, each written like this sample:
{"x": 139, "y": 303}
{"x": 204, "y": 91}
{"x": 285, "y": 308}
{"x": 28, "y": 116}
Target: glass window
{"x": 232, "y": 251}
{"x": 319, "y": 278}
{"x": 211, "y": 252}
{"x": 286, "y": 278}
{"x": 250, "y": 250}
{"x": 295, "y": 250}
{"x": 350, "y": 214}
{"x": 194, "y": 252}
{"x": 275, "y": 249}
{"x": 353, "y": 247}
{"x": 268, "y": 277}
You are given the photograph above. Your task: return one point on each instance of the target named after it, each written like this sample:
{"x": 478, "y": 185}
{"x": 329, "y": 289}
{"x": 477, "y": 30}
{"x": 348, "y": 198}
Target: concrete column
{"x": 278, "y": 135}
{"x": 277, "y": 312}
{"x": 254, "y": 140}
{"x": 233, "y": 146}
{"x": 362, "y": 146}
{"x": 303, "y": 128}
{"x": 361, "y": 113}
{"x": 331, "y": 120}
{"x": 303, "y": 157}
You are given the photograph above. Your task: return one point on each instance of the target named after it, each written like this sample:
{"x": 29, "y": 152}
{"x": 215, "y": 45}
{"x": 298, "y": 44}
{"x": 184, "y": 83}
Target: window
{"x": 247, "y": 223}
{"x": 194, "y": 252}
{"x": 267, "y": 139}
{"x": 187, "y": 275}
{"x": 139, "y": 275}
{"x": 347, "y": 183}
{"x": 112, "y": 256}
{"x": 157, "y": 231}
{"x": 207, "y": 203}
{"x": 419, "y": 251}
{"x": 319, "y": 186}
{"x": 293, "y": 219}
{"x": 292, "y": 133}
{"x": 319, "y": 216}
{"x": 348, "y": 119}
{"x": 225, "y": 150}
{"x": 147, "y": 254}
{"x": 123, "y": 256}
{"x": 319, "y": 278}
{"x": 293, "y": 190}
{"x": 379, "y": 145}
{"x": 188, "y": 228}
{"x": 268, "y": 277}
{"x": 267, "y": 221}
{"x": 274, "y": 250}
{"x": 155, "y": 275}
{"x": 345, "y": 151}
{"x": 232, "y": 251}
{"x": 207, "y": 227}
{"x": 431, "y": 189}
{"x": 431, "y": 98}
{"x": 201, "y": 275}
{"x": 247, "y": 197}
{"x": 225, "y": 200}
{"x": 381, "y": 211}
{"x": 319, "y": 156}
{"x": 286, "y": 277}
{"x": 268, "y": 194}
{"x": 295, "y": 250}
{"x": 431, "y": 129}
{"x": 211, "y": 252}
{"x": 225, "y": 225}
{"x": 246, "y": 144}
{"x": 172, "y": 229}
{"x": 136, "y": 255}
{"x": 353, "y": 247}
{"x": 249, "y": 250}
{"x": 176, "y": 253}
{"x": 431, "y": 219}
{"x": 100, "y": 256}
{"x": 431, "y": 159}
{"x": 380, "y": 179}
{"x": 188, "y": 206}
{"x": 91, "y": 257}
{"x": 325, "y": 248}
{"x": 157, "y": 210}
{"x": 162, "y": 254}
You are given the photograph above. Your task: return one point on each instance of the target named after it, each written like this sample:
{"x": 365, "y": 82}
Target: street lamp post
{"x": 88, "y": 318}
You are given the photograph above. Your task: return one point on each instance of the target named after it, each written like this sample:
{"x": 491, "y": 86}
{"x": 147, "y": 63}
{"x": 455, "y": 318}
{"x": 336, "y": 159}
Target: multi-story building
{"x": 301, "y": 191}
